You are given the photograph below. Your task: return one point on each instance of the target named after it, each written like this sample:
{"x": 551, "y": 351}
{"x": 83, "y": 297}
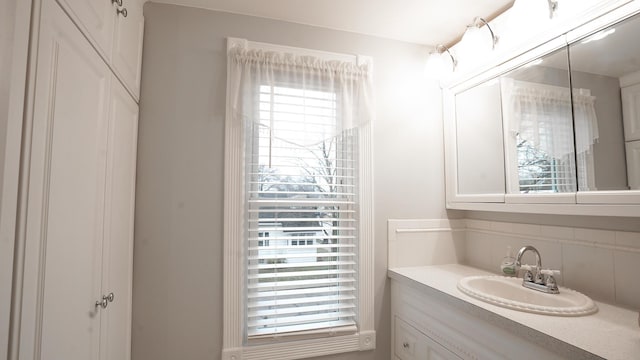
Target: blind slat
{"x": 298, "y": 292}
{"x": 299, "y": 284}
{"x": 261, "y": 303}
{"x": 301, "y": 309}
{"x": 301, "y": 319}
{"x": 299, "y": 265}
{"x": 332, "y": 327}
{"x": 298, "y": 274}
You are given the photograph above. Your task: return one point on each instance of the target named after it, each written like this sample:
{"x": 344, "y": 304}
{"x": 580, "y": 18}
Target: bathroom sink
{"x": 508, "y": 292}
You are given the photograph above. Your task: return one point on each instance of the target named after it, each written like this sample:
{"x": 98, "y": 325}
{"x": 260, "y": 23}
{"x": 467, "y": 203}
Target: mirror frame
{"x": 602, "y": 203}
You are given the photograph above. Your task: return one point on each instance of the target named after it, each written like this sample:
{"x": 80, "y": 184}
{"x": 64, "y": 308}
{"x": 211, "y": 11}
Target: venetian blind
{"x": 302, "y": 207}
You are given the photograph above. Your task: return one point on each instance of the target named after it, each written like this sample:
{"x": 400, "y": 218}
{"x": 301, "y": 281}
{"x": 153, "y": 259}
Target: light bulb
{"x": 434, "y": 66}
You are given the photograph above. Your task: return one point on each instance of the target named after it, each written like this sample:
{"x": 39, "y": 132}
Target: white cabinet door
{"x": 127, "y": 44}
{"x": 95, "y": 18}
{"x": 62, "y": 278}
{"x": 633, "y": 164}
{"x": 631, "y": 112}
{"x": 116, "y": 31}
{"x": 118, "y": 243}
{"x": 411, "y": 344}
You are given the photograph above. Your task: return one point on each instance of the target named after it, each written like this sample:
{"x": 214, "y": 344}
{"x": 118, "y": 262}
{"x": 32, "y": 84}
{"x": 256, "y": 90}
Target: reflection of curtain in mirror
{"x": 586, "y": 133}
{"x": 538, "y": 120}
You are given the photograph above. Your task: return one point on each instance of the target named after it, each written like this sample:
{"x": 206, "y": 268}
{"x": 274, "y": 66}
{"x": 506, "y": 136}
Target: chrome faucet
{"x": 541, "y": 280}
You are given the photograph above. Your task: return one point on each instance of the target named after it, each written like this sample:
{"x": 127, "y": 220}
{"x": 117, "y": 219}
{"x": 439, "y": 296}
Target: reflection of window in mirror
{"x": 607, "y": 63}
{"x": 536, "y": 105}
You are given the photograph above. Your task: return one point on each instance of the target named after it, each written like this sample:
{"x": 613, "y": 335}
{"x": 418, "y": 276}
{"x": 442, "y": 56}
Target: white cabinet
{"x": 115, "y": 28}
{"x": 79, "y": 214}
{"x": 633, "y": 164}
{"x": 430, "y": 325}
{"x": 631, "y": 111}
{"x": 126, "y": 54}
{"x": 95, "y": 18}
{"x": 411, "y": 344}
{"x": 631, "y": 117}
{"x": 118, "y": 220}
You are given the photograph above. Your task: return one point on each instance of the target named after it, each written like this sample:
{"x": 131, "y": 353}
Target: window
{"x": 298, "y": 134}
{"x": 307, "y": 183}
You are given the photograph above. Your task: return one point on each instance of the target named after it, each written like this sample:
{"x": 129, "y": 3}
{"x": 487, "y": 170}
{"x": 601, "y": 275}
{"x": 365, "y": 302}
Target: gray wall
{"x": 610, "y": 166}
{"x": 7, "y": 22}
{"x": 7, "y": 13}
{"x": 177, "y": 308}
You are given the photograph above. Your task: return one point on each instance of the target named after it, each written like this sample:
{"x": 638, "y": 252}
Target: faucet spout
{"x": 524, "y": 250}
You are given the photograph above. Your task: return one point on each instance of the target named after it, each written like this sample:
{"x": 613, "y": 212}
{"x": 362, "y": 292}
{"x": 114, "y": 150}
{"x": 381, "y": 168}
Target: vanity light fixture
{"x": 473, "y": 36}
{"x": 437, "y": 61}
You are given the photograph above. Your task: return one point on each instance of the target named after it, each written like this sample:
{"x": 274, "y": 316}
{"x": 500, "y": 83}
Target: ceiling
{"x": 427, "y": 22}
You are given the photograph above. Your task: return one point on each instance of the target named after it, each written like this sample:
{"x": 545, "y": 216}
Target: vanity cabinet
{"x": 427, "y": 325}
{"x": 115, "y": 29}
{"x": 79, "y": 207}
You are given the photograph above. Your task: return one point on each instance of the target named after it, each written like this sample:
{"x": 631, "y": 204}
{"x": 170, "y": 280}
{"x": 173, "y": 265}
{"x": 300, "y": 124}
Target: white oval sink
{"x": 508, "y": 292}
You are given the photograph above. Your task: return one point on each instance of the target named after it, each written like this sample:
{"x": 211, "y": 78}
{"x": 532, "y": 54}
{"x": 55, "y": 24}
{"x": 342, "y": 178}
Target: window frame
{"x": 234, "y": 277}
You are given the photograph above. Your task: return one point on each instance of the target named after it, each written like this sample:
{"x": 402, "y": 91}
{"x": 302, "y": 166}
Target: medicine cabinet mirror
{"x": 538, "y": 127}
{"x": 479, "y": 147}
{"x": 553, "y": 130}
{"x": 606, "y": 65}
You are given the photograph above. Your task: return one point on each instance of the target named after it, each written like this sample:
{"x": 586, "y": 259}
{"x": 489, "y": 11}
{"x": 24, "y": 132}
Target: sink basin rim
{"x": 586, "y": 306}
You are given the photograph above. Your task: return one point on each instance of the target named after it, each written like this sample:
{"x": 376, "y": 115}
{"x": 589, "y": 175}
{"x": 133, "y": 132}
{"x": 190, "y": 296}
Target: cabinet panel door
{"x": 66, "y": 194}
{"x": 95, "y": 18}
{"x": 631, "y": 112}
{"x": 127, "y": 45}
{"x": 411, "y": 344}
{"x": 633, "y": 164}
{"x": 119, "y": 211}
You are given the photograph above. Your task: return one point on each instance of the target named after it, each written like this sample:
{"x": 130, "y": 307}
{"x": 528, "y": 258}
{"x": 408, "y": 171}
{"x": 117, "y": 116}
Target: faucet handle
{"x": 527, "y": 267}
{"x": 550, "y": 272}
{"x": 550, "y": 281}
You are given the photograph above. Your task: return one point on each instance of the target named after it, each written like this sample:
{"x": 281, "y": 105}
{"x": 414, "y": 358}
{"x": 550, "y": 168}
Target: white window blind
{"x": 301, "y": 206}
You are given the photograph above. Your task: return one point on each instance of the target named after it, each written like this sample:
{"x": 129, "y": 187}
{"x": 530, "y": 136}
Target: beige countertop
{"x": 611, "y": 333}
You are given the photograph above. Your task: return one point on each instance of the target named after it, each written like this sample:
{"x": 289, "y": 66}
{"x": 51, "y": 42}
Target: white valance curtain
{"x": 351, "y": 82}
{"x": 541, "y": 115}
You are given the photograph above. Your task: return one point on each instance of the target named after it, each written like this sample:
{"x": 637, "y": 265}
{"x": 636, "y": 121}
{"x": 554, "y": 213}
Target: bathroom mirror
{"x": 605, "y": 70}
{"x": 538, "y": 127}
{"x": 479, "y": 146}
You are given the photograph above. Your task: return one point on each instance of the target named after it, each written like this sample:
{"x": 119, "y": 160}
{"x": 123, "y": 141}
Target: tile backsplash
{"x": 600, "y": 263}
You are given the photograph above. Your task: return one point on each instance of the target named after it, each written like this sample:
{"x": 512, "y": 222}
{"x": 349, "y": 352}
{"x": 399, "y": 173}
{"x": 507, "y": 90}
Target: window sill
{"x": 301, "y": 349}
